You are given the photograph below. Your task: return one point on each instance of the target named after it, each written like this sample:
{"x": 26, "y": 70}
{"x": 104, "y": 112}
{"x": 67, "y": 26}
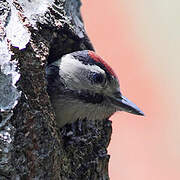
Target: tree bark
{"x": 32, "y": 34}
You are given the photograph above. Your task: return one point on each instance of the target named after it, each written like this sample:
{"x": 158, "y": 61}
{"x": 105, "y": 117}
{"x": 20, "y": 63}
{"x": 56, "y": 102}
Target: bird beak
{"x": 123, "y": 104}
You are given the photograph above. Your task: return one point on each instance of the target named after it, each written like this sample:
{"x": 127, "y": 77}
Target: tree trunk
{"x": 32, "y": 33}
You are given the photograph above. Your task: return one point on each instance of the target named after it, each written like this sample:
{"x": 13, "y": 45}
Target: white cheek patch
{"x": 74, "y": 71}
{"x": 70, "y": 64}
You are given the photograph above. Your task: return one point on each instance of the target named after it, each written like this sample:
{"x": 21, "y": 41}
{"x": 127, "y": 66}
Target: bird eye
{"x": 97, "y": 77}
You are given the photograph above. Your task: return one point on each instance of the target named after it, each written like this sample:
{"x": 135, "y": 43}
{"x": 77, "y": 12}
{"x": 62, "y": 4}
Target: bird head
{"x": 87, "y": 74}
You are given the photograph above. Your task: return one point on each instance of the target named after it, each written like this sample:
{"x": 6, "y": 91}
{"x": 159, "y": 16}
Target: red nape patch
{"x": 97, "y": 58}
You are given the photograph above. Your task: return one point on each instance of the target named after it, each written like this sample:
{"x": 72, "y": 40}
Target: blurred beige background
{"x": 140, "y": 39}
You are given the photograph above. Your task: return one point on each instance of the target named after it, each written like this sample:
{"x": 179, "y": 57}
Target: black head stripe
{"x": 85, "y": 96}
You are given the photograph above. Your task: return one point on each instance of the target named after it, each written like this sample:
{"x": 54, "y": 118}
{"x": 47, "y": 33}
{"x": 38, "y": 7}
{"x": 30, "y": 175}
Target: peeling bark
{"x": 32, "y": 34}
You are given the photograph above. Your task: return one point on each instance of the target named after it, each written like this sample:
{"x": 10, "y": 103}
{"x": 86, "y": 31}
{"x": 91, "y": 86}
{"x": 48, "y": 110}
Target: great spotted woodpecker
{"x": 82, "y": 85}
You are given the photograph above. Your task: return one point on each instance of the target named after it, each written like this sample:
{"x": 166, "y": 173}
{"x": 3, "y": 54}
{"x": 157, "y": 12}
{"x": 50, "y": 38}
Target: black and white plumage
{"x": 81, "y": 85}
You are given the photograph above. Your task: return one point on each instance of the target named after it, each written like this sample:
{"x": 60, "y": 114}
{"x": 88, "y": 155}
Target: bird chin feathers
{"x": 69, "y": 110}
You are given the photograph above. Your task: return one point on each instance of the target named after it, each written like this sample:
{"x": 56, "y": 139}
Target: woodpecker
{"x": 81, "y": 85}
